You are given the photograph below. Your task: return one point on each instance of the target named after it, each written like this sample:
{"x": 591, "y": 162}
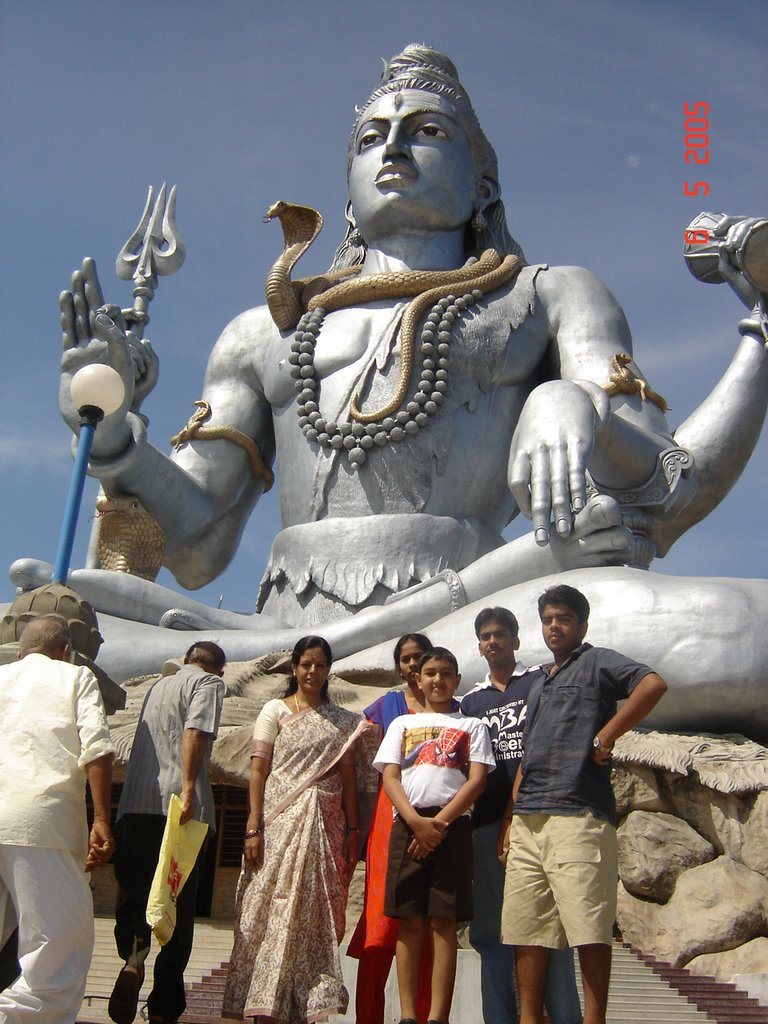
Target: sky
{"x": 241, "y": 103}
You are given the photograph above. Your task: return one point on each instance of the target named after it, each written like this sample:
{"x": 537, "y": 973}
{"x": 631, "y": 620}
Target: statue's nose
{"x": 397, "y": 141}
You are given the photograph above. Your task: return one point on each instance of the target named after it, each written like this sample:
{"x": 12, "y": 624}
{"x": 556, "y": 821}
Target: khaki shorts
{"x": 561, "y": 879}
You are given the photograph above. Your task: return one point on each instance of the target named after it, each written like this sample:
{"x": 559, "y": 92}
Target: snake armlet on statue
{"x": 195, "y": 430}
{"x": 623, "y": 380}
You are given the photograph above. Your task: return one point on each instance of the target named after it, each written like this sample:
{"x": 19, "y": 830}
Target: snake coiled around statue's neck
{"x": 301, "y": 226}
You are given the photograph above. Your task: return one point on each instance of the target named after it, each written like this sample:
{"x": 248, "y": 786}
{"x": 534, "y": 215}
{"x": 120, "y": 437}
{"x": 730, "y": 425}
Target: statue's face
{"x": 412, "y": 167}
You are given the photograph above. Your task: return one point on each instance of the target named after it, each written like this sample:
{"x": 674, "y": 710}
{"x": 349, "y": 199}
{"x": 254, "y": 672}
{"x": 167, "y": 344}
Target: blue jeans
{"x": 497, "y": 961}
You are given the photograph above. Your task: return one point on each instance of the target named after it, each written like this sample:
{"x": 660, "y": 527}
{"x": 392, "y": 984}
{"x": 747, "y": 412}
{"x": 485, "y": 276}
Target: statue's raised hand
{"x": 736, "y": 231}
{"x": 95, "y": 332}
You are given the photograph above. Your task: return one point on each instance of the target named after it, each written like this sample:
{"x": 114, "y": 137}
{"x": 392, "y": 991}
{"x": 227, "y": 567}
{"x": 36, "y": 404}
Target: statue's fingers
{"x": 541, "y": 494}
{"x": 518, "y": 481}
{"x": 139, "y": 355}
{"x": 577, "y": 474}
{"x": 560, "y": 494}
{"x": 600, "y": 512}
{"x": 726, "y": 222}
{"x": 746, "y": 291}
{"x": 612, "y": 540}
{"x": 93, "y": 291}
{"x": 81, "y": 307}
{"x": 151, "y": 364}
{"x": 105, "y": 329}
{"x": 67, "y": 320}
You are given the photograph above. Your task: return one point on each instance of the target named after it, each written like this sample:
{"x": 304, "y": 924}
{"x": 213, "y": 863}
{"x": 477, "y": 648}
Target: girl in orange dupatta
{"x": 373, "y": 943}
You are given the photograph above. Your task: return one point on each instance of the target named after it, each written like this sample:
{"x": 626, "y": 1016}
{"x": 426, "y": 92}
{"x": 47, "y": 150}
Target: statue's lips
{"x": 395, "y": 172}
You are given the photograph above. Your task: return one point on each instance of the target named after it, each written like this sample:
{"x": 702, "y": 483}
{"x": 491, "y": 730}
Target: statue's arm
{"x": 721, "y": 434}
{"x": 202, "y": 494}
{"x": 569, "y": 424}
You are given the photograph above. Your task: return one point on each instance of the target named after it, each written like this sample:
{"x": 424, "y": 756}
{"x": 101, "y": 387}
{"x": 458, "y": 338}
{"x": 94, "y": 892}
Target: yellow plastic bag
{"x": 178, "y": 853}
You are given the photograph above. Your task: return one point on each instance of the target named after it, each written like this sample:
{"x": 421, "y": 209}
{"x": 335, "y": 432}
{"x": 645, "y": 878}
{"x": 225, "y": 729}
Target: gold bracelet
{"x": 255, "y": 832}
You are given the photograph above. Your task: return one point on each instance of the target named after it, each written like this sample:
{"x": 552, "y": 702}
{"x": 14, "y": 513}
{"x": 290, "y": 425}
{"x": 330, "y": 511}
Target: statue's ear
{"x": 349, "y": 215}
{"x": 487, "y": 191}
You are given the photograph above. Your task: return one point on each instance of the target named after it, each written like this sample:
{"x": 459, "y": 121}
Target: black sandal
{"x": 124, "y": 1000}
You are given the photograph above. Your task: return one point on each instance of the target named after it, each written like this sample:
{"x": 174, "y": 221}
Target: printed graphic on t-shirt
{"x": 444, "y": 746}
{"x": 505, "y": 726}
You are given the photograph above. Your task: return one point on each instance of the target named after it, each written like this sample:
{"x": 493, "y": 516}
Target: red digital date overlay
{"x": 696, "y": 152}
{"x": 696, "y": 144}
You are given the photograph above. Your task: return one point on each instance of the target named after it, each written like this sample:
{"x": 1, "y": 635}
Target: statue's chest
{"x": 360, "y": 350}
{"x": 348, "y": 342}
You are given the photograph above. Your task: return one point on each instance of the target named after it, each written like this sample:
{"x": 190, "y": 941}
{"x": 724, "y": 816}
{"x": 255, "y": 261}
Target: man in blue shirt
{"x": 500, "y": 701}
{"x": 562, "y": 863}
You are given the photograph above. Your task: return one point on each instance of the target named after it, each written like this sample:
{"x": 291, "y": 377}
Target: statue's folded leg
{"x": 130, "y": 597}
{"x": 705, "y": 636}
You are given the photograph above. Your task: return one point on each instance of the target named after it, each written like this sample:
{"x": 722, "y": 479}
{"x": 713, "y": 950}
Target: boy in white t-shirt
{"x": 434, "y": 767}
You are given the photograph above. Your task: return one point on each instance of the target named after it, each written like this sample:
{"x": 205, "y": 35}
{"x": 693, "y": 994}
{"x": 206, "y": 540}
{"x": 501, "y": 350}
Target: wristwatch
{"x": 597, "y": 745}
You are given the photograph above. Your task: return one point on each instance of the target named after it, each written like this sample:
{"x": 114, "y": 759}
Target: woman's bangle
{"x": 353, "y": 828}
{"x": 255, "y": 832}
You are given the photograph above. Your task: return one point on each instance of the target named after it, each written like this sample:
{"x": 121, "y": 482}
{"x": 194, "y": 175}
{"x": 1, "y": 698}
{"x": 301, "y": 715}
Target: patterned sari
{"x": 290, "y": 914}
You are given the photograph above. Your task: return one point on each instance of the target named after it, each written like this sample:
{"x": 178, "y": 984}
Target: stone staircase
{"x": 643, "y": 991}
{"x": 722, "y": 1002}
{"x": 213, "y": 944}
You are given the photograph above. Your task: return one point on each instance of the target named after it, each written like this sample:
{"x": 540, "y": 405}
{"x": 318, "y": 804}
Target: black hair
{"x": 206, "y": 654}
{"x": 419, "y": 638}
{"x": 569, "y": 596}
{"x": 502, "y": 615}
{"x": 305, "y": 644}
{"x": 439, "y": 654}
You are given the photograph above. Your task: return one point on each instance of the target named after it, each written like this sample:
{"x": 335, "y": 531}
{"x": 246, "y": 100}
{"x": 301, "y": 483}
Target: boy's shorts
{"x": 561, "y": 879}
{"x": 438, "y": 886}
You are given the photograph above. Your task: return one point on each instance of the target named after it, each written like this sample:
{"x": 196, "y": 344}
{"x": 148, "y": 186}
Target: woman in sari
{"x": 301, "y": 846}
{"x": 373, "y": 943}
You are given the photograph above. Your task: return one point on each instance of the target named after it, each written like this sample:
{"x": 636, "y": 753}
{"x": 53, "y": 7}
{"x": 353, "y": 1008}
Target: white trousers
{"x": 50, "y": 892}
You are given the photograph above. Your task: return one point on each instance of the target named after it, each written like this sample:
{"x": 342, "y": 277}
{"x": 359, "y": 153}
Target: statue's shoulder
{"x": 246, "y": 341}
{"x": 564, "y": 285}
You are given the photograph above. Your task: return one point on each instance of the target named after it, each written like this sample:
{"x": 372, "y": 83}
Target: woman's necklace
{"x": 296, "y": 701}
{"x": 358, "y": 438}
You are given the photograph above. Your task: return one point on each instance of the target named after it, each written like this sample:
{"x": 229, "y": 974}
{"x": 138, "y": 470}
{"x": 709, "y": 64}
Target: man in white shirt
{"x": 55, "y": 736}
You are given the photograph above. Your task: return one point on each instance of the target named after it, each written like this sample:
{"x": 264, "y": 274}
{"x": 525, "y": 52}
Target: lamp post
{"x": 97, "y": 391}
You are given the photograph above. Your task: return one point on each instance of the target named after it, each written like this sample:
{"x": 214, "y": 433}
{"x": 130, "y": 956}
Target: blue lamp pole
{"x": 97, "y": 391}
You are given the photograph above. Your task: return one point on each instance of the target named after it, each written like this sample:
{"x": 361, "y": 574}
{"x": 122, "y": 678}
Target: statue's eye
{"x": 369, "y": 138}
{"x": 432, "y": 131}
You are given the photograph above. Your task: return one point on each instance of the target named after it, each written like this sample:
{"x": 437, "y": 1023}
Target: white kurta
{"x": 54, "y": 725}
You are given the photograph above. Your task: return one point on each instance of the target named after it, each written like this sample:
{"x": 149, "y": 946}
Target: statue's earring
{"x": 479, "y": 223}
{"x": 353, "y": 235}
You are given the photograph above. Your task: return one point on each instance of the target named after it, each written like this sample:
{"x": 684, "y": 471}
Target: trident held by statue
{"x": 153, "y": 250}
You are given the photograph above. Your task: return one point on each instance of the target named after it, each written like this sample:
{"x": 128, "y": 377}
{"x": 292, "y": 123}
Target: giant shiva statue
{"x": 413, "y": 400}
